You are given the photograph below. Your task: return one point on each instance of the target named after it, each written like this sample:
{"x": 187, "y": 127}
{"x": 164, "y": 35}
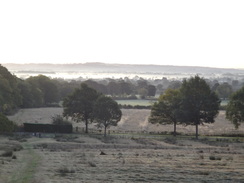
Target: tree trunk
{"x": 196, "y": 130}
{"x": 105, "y": 131}
{"x": 174, "y": 128}
{"x": 86, "y": 126}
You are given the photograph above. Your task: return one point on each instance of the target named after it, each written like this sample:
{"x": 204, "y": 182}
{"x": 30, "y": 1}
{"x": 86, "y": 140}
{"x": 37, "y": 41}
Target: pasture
{"x": 133, "y": 155}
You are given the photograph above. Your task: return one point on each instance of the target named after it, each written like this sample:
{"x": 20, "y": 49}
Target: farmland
{"x": 136, "y": 102}
{"x": 133, "y": 120}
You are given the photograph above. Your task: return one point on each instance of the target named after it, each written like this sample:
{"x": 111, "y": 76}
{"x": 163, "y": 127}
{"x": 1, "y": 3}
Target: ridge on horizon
{"x": 121, "y": 64}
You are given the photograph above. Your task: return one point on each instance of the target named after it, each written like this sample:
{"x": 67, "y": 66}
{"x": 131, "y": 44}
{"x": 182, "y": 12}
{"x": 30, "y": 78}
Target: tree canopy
{"x": 43, "y": 87}
{"x": 80, "y": 104}
{"x": 198, "y": 103}
{"x": 235, "y": 108}
{"x": 106, "y": 112}
{"x": 166, "y": 110}
{"x": 10, "y": 97}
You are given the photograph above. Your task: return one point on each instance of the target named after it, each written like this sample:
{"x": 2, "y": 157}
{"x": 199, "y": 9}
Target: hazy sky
{"x": 173, "y": 32}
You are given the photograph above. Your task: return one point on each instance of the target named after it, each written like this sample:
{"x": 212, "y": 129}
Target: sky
{"x": 166, "y": 32}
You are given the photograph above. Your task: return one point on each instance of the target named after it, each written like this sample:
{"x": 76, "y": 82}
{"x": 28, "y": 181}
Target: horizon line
{"x": 75, "y": 63}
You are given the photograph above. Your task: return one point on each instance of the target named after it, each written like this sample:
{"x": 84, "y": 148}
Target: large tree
{"x": 198, "y": 103}
{"x": 235, "y": 108}
{"x": 10, "y": 97}
{"x": 166, "y": 110}
{"x": 106, "y": 112}
{"x": 80, "y": 104}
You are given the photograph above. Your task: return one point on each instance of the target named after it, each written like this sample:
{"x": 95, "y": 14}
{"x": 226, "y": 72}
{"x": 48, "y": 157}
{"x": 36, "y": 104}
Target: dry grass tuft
{"x": 8, "y": 153}
{"x": 92, "y": 164}
{"x": 64, "y": 171}
{"x": 212, "y": 157}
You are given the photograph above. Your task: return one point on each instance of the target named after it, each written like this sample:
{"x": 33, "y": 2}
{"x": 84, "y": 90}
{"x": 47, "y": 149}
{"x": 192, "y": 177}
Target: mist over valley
{"x": 116, "y": 71}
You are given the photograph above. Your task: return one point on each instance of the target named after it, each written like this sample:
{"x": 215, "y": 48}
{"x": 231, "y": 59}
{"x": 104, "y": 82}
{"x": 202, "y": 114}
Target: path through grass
{"x": 29, "y": 164}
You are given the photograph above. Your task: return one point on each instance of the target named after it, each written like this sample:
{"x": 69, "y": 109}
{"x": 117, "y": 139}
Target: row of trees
{"x": 39, "y": 91}
{"x": 86, "y": 105}
{"x": 32, "y": 92}
{"x": 194, "y": 103}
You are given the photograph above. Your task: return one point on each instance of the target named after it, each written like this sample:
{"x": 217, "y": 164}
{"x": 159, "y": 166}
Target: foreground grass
{"x": 126, "y": 158}
{"x": 31, "y": 161}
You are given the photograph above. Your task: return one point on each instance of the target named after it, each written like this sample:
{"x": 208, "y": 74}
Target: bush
{"x": 6, "y": 125}
{"x": 59, "y": 120}
{"x": 214, "y": 158}
{"x": 170, "y": 140}
{"x": 7, "y": 154}
{"x": 14, "y": 157}
{"x": 92, "y": 164}
{"x": 64, "y": 171}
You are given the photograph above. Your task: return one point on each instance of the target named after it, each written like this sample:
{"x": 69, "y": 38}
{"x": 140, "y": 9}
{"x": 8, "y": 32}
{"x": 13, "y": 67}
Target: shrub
{"x": 170, "y": 140}
{"x": 14, "y": 157}
{"x": 17, "y": 147}
{"x": 65, "y": 170}
{"x": 7, "y": 153}
{"x": 214, "y": 158}
{"x": 59, "y": 120}
{"x": 6, "y": 125}
{"x": 92, "y": 164}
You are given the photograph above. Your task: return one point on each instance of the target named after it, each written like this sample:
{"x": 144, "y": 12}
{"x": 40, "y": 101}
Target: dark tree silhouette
{"x": 80, "y": 104}
{"x": 198, "y": 103}
{"x": 235, "y": 108}
{"x": 107, "y": 113}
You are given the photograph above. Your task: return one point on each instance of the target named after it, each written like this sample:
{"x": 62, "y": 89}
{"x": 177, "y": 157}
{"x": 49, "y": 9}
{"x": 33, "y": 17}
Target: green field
{"x": 136, "y": 102}
{"x": 144, "y": 102}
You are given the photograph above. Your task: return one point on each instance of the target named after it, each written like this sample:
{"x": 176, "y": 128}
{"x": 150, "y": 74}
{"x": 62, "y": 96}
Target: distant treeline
{"x": 41, "y": 91}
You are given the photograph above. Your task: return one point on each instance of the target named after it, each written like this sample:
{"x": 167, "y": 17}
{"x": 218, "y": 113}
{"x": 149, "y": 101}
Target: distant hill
{"x": 122, "y": 68}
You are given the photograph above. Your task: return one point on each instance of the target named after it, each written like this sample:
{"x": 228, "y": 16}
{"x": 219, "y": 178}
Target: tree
{"x": 10, "y": 97}
{"x": 113, "y": 88}
{"x": 166, "y": 110}
{"x": 59, "y": 120}
{"x": 198, "y": 103}
{"x": 124, "y": 87}
{"x": 47, "y": 87}
{"x": 175, "y": 84}
{"x": 235, "y": 108}
{"x": 142, "y": 87}
{"x": 26, "y": 93}
{"x": 106, "y": 113}
{"x": 151, "y": 90}
{"x": 224, "y": 90}
{"x": 97, "y": 86}
{"x": 80, "y": 104}
{"x": 65, "y": 88}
